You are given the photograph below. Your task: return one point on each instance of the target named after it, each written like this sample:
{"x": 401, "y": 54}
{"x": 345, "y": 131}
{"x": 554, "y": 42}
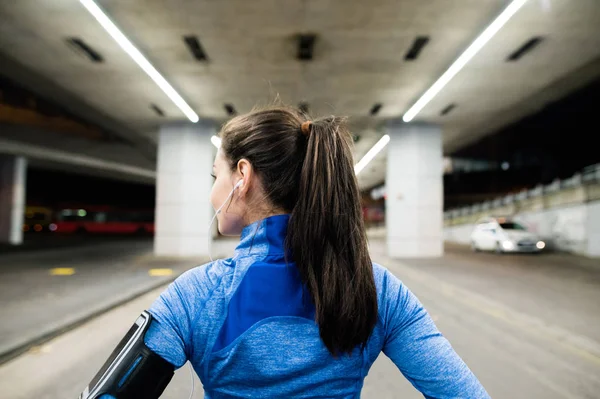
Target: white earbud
{"x": 238, "y": 184}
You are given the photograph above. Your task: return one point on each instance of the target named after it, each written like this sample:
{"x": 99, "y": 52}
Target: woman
{"x": 300, "y": 310}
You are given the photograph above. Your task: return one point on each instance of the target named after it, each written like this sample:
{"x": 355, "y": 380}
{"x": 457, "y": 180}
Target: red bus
{"x": 103, "y": 220}
{"x": 373, "y": 215}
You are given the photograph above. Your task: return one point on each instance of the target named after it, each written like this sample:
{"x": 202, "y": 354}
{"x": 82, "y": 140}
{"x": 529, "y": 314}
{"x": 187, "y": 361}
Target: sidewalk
{"x": 48, "y": 292}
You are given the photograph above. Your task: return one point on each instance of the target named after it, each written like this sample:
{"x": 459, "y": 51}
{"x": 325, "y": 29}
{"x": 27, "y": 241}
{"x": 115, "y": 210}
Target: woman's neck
{"x": 253, "y": 217}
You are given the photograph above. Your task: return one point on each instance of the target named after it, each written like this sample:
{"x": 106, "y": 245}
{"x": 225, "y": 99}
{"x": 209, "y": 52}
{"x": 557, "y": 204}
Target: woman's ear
{"x": 246, "y": 174}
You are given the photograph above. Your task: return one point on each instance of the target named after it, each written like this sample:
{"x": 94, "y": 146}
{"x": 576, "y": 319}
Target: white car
{"x": 502, "y": 235}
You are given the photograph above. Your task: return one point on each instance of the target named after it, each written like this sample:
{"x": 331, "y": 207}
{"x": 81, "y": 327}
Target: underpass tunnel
{"x": 473, "y": 129}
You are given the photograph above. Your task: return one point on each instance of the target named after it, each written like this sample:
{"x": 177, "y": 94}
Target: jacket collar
{"x": 265, "y": 237}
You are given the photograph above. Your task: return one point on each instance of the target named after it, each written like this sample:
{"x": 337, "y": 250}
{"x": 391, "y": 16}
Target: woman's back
{"x": 309, "y": 324}
{"x": 247, "y": 326}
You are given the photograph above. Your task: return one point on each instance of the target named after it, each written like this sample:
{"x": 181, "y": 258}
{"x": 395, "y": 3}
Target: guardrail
{"x": 582, "y": 187}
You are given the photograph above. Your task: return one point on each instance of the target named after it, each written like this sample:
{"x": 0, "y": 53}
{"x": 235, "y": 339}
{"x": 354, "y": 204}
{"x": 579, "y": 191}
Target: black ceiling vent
{"x": 416, "y": 48}
{"x": 375, "y": 109}
{"x": 448, "y": 108}
{"x": 84, "y": 49}
{"x": 525, "y": 48}
{"x": 157, "y": 109}
{"x": 303, "y": 107}
{"x": 230, "y": 109}
{"x": 306, "y": 44}
{"x": 193, "y": 44}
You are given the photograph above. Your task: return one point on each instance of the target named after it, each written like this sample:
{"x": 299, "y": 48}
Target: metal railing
{"x": 588, "y": 176}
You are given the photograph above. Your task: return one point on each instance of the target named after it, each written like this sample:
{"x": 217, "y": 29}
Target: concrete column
{"x": 183, "y": 210}
{"x": 593, "y": 229}
{"x": 414, "y": 187}
{"x": 13, "y": 172}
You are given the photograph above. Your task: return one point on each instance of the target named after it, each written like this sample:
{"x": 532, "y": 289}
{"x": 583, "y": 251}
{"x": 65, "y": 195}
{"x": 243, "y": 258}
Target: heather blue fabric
{"x": 247, "y": 326}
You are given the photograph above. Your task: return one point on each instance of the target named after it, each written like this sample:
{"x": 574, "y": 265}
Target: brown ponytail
{"x": 307, "y": 169}
{"x": 328, "y": 242}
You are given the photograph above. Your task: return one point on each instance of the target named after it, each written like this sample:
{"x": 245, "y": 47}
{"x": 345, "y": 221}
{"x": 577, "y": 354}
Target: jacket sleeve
{"x": 419, "y": 350}
{"x": 168, "y": 335}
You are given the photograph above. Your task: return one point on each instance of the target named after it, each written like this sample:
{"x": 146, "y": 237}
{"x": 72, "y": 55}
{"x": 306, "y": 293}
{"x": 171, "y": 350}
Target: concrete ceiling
{"x": 358, "y": 59}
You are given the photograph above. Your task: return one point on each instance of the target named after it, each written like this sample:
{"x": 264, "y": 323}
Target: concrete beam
{"x": 77, "y": 163}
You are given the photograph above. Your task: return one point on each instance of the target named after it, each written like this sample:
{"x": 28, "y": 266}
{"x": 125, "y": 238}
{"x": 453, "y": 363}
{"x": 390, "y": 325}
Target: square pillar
{"x": 13, "y": 173}
{"x": 414, "y": 187}
{"x": 593, "y": 229}
{"x": 183, "y": 210}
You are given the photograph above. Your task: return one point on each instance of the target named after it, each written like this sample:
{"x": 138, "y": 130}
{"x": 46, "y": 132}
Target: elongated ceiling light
{"x": 465, "y": 57}
{"x": 139, "y": 58}
{"x": 371, "y": 154}
{"x": 216, "y": 141}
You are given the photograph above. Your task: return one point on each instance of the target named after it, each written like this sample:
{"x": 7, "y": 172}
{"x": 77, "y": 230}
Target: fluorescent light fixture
{"x": 216, "y": 141}
{"x": 139, "y": 58}
{"x": 465, "y": 57}
{"x": 371, "y": 154}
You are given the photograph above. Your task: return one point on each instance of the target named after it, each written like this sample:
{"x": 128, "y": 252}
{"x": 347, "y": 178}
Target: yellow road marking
{"x": 160, "y": 272}
{"x": 62, "y": 271}
{"x": 40, "y": 349}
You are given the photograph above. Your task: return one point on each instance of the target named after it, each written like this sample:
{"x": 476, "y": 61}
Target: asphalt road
{"x": 526, "y": 325}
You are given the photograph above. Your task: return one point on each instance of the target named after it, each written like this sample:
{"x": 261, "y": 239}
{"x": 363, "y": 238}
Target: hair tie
{"x": 306, "y": 128}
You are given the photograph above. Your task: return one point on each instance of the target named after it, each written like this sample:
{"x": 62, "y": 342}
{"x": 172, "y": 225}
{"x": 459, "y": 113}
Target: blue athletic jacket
{"x": 246, "y": 327}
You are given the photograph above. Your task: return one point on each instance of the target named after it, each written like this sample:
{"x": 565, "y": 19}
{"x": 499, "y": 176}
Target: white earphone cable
{"x": 238, "y": 184}
{"x": 192, "y": 378}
